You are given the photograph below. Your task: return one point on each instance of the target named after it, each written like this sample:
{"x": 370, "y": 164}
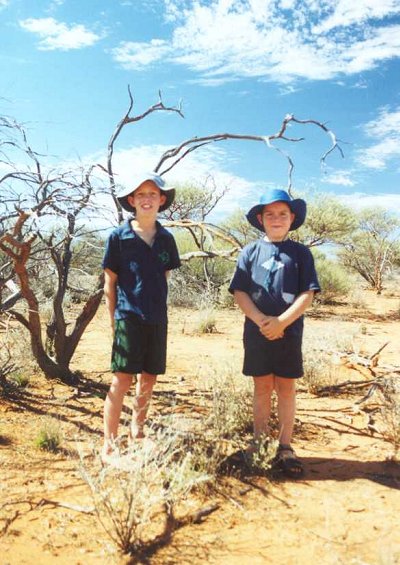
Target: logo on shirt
{"x": 271, "y": 266}
{"x": 164, "y": 257}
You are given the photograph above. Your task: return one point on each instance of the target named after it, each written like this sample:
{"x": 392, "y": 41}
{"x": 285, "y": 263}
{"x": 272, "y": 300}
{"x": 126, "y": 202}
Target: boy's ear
{"x": 259, "y": 218}
{"x": 163, "y": 199}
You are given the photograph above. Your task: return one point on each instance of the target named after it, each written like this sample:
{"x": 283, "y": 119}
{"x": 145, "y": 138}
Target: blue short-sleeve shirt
{"x": 142, "y": 287}
{"x": 273, "y": 274}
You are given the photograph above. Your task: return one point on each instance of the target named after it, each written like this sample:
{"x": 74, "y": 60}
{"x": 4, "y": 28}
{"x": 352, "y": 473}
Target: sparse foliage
{"x": 143, "y": 488}
{"x": 335, "y": 282}
{"x": 239, "y": 228}
{"x": 328, "y": 221}
{"x": 373, "y": 248}
{"x": 49, "y": 437}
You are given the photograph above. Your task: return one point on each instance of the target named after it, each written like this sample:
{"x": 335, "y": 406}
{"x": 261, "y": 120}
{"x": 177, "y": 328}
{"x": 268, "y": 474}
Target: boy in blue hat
{"x": 274, "y": 283}
{"x": 139, "y": 254}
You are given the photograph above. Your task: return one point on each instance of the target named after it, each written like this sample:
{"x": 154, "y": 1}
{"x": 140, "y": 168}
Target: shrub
{"x": 320, "y": 369}
{"x": 334, "y": 281}
{"x": 231, "y": 408}
{"x": 141, "y": 488}
{"x": 391, "y": 415}
{"x": 207, "y": 322}
{"x": 49, "y": 437}
{"x": 262, "y": 454}
{"x": 199, "y": 277}
{"x": 18, "y": 379}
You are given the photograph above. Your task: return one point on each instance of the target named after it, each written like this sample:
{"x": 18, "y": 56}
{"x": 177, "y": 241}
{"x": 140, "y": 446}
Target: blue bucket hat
{"x": 167, "y": 191}
{"x": 297, "y": 206}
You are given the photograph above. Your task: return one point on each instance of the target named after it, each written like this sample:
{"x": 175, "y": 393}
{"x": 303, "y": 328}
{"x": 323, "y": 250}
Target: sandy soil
{"x": 345, "y": 510}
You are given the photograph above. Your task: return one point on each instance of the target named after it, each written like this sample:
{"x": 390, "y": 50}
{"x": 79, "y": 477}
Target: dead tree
{"x": 46, "y": 219}
{"x": 200, "y": 230}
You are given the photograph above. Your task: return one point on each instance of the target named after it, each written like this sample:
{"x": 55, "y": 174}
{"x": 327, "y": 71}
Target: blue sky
{"x": 238, "y": 66}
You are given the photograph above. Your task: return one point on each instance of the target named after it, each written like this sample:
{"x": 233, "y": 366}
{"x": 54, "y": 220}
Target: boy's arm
{"x": 110, "y": 293}
{"x": 249, "y": 309}
{"x": 274, "y": 326}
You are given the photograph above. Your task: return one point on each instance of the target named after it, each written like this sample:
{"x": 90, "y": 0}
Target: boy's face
{"x": 276, "y": 219}
{"x": 147, "y": 198}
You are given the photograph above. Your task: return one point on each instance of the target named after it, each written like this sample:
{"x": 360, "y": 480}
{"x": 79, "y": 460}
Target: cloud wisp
{"x": 279, "y": 40}
{"x": 340, "y": 178}
{"x": 385, "y": 131}
{"x": 54, "y": 35}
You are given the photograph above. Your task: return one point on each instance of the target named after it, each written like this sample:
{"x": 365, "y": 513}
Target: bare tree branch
{"x": 194, "y": 143}
{"x": 128, "y": 119}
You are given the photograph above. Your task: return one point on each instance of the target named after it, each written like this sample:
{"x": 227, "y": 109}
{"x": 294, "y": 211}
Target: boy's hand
{"x": 272, "y": 328}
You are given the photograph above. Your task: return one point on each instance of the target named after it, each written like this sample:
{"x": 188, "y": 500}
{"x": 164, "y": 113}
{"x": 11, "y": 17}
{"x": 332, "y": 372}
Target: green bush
{"x": 18, "y": 379}
{"x": 49, "y": 437}
{"x": 335, "y": 282}
{"x": 200, "y": 280}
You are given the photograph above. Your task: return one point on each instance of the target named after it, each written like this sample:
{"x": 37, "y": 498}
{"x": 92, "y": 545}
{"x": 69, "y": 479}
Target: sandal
{"x": 287, "y": 462}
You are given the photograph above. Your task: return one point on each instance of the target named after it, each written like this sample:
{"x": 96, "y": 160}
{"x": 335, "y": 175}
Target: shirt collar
{"x": 126, "y": 231}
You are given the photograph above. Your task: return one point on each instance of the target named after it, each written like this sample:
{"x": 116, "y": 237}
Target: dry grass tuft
{"x": 136, "y": 491}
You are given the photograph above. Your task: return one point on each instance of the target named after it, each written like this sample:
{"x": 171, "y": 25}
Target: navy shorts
{"x": 280, "y": 357}
{"x": 139, "y": 347}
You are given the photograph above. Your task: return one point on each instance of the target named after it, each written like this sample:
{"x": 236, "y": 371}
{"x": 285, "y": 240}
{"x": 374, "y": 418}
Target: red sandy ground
{"x": 345, "y": 510}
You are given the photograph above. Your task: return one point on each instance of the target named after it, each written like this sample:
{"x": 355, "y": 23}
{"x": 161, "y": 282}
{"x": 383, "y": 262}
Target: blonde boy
{"x": 139, "y": 254}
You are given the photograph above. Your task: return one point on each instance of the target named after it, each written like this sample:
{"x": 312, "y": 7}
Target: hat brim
{"x": 168, "y": 192}
{"x": 298, "y": 207}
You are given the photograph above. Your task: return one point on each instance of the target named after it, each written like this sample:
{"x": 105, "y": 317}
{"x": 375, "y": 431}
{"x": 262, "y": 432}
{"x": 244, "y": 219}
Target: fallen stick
{"x": 206, "y": 511}
{"x": 84, "y": 509}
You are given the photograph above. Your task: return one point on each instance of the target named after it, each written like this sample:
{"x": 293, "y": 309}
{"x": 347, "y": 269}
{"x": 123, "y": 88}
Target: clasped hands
{"x": 271, "y": 327}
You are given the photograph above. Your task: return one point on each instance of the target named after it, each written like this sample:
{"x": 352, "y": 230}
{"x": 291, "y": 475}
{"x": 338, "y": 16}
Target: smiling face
{"x": 276, "y": 219}
{"x": 147, "y": 199}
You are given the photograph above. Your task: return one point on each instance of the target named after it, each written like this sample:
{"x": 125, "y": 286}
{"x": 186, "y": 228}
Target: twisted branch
{"x": 194, "y": 143}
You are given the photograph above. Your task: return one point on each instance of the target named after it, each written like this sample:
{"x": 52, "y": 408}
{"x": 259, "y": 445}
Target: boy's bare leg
{"x": 120, "y": 385}
{"x": 263, "y": 388}
{"x": 286, "y": 392}
{"x": 141, "y": 403}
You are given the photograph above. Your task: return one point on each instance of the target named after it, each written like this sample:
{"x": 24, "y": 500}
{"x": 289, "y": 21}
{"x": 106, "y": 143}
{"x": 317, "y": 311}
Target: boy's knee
{"x": 121, "y": 383}
{"x": 263, "y": 385}
{"x": 147, "y": 379}
{"x": 285, "y": 388}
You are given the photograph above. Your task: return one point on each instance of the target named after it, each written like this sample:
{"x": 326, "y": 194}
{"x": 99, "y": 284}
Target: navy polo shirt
{"x": 142, "y": 287}
{"x": 273, "y": 274}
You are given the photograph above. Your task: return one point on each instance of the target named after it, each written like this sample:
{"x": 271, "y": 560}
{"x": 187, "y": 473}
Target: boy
{"x": 139, "y": 254}
{"x": 273, "y": 285}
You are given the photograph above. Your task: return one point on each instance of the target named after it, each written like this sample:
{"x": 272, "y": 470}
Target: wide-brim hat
{"x": 167, "y": 191}
{"x": 297, "y": 206}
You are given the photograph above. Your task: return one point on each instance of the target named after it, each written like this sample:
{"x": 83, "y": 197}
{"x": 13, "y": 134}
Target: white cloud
{"x": 133, "y": 55}
{"x": 57, "y": 35}
{"x": 342, "y": 178}
{"x": 385, "y": 130}
{"x": 349, "y": 12}
{"x": 279, "y": 40}
{"x": 359, "y": 200}
{"x": 387, "y": 123}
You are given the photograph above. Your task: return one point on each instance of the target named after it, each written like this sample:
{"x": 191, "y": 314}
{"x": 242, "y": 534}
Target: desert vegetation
{"x": 53, "y": 225}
